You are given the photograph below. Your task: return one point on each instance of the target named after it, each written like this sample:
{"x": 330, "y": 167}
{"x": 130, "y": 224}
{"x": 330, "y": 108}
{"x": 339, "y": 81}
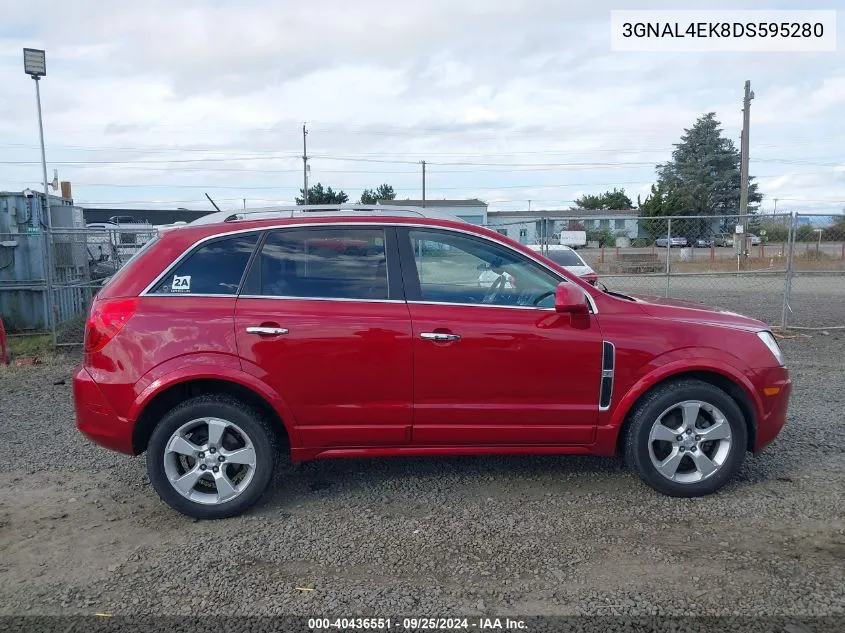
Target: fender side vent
{"x": 608, "y": 361}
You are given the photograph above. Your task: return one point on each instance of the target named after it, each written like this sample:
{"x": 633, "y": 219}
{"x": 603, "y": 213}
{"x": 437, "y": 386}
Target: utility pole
{"x": 743, "y": 191}
{"x": 304, "y": 166}
{"x": 422, "y": 162}
{"x": 776, "y": 207}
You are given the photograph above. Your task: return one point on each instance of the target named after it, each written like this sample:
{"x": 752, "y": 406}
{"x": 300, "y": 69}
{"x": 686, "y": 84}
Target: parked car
{"x": 333, "y": 333}
{"x": 671, "y": 242}
{"x": 723, "y": 239}
{"x": 753, "y": 240}
{"x": 570, "y": 260}
{"x": 703, "y": 242}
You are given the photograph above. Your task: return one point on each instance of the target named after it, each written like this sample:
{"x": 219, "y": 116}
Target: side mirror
{"x": 569, "y": 298}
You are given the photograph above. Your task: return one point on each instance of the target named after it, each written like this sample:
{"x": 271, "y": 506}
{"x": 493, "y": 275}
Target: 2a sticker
{"x": 181, "y": 284}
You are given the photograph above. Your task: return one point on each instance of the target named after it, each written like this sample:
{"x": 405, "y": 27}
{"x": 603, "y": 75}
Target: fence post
{"x": 668, "y": 252}
{"x": 544, "y": 241}
{"x": 790, "y": 256}
{"x": 47, "y": 230}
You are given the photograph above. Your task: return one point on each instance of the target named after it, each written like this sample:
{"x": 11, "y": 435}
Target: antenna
{"x": 55, "y": 183}
{"x": 212, "y": 202}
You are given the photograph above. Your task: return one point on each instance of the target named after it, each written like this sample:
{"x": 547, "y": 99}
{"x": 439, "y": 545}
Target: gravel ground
{"x": 82, "y": 531}
{"x": 817, "y": 300}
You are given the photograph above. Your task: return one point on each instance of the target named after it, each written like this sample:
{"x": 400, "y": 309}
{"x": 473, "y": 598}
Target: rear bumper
{"x": 775, "y": 408}
{"x": 95, "y": 417}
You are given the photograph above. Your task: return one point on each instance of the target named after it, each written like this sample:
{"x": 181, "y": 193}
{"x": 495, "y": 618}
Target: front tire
{"x": 211, "y": 457}
{"x": 686, "y": 438}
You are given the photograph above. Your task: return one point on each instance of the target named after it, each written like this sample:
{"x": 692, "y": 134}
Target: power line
{"x": 387, "y": 161}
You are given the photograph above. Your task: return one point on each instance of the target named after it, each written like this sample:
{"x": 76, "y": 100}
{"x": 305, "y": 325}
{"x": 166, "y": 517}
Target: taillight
{"x": 106, "y": 319}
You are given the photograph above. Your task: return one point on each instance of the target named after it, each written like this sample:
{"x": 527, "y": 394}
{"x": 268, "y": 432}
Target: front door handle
{"x": 263, "y": 330}
{"x": 439, "y": 336}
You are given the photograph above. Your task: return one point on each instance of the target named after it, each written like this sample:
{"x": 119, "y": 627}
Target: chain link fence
{"x": 784, "y": 269}
{"x": 814, "y": 296}
{"x": 81, "y": 258}
{"x": 787, "y": 270}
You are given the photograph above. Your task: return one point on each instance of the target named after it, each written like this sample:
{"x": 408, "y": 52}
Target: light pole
{"x": 35, "y": 65}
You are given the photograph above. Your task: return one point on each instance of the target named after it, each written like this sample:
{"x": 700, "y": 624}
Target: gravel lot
{"x": 82, "y": 531}
{"x": 817, "y": 300}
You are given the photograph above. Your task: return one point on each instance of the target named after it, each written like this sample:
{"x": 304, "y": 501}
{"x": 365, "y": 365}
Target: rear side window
{"x": 215, "y": 268}
{"x": 330, "y": 263}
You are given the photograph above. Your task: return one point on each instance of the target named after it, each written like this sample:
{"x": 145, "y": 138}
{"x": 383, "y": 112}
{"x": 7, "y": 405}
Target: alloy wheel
{"x": 690, "y": 441}
{"x": 209, "y": 460}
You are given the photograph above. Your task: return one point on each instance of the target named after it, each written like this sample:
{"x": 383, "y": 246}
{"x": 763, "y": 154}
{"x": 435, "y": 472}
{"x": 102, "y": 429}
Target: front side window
{"x": 214, "y": 268}
{"x": 330, "y": 263}
{"x": 455, "y": 268}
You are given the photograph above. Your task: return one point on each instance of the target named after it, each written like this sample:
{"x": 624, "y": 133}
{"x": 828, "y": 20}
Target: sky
{"x": 152, "y": 104}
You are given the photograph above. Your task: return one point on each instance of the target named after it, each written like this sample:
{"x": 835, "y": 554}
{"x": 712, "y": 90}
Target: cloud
{"x": 505, "y": 100}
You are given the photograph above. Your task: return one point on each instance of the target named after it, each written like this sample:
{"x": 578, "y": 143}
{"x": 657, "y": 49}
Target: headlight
{"x": 772, "y": 344}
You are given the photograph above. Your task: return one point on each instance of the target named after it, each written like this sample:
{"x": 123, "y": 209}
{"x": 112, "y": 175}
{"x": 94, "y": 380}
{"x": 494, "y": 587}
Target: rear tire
{"x": 686, "y": 438}
{"x": 212, "y": 457}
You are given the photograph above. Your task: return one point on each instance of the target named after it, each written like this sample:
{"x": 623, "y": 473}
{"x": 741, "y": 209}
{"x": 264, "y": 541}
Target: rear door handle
{"x": 262, "y": 330}
{"x": 439, "y": 336}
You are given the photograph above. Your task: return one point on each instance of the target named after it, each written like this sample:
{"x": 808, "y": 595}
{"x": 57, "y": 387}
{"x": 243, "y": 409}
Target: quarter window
{"x": 215, "y": 268}
{"x": 335, "y": 263}
{"x": 455, "y": 268}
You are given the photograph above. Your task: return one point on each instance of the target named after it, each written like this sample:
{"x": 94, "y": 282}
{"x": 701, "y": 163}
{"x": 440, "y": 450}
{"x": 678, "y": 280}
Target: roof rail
{"x": 293, "y": 211}
{"x": 322, "y": 208}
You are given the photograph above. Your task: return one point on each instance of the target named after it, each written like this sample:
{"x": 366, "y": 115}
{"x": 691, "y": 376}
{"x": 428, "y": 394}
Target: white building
{"x": 528, "y": 226}
{"x": 473, "y": 210}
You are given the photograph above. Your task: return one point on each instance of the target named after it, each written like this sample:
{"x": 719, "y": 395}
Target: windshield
{"x": 565, "y": 258}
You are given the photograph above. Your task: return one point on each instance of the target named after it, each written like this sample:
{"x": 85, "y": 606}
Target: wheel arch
{"x": 734, "y": 387}
{"x": 169, "y": 396}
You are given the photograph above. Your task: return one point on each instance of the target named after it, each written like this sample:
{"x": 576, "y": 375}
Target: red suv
{"x": 339, "y": 332}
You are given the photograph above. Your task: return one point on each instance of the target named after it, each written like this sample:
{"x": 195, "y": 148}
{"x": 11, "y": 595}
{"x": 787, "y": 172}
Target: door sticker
{"x": 181, "y": 284}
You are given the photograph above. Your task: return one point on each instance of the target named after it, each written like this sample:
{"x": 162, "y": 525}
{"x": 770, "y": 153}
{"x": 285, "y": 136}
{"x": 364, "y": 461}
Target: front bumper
{"x": 775, "y": 407}
{"x": 96, "y": 418}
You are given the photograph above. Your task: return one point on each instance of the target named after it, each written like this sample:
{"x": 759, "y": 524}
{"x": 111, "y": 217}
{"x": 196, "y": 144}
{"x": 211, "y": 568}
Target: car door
{"x": 322, "y": 319}
{"x": 493, "y": 362}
